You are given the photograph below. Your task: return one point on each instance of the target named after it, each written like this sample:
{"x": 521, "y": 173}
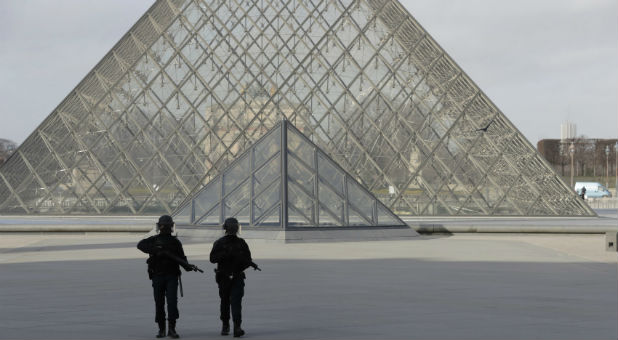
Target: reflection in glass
{"x": 207, "y": 198}
{"x": 360, "y": 199}
{"x": 185, "y": 215}
{"x": 302, "y": 204}
{"x": 330, "y": 174}
{"x": 263, "y": 202}
{"x": 237, "y": 200}
{"x": 238, "y": 173}
{"x": 267, "y": 174}
{"x": 299, "y": 174}
{"x": 270, "y": 146}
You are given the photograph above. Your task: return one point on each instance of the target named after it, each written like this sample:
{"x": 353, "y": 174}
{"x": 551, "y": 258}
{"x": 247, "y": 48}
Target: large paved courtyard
{"x": 464, "y": 286}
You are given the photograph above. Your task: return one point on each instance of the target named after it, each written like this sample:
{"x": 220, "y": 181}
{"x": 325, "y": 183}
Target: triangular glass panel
{"x": 355, "y": 218}
{"x": 387, "y": 218}
{"x": 192, "y": 85}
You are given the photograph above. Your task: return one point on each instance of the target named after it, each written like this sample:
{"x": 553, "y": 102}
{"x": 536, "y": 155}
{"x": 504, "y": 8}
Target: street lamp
{"x": 572, "y": 152}
{"x": 616, "y": 168}
{"x": 607, "y": 166}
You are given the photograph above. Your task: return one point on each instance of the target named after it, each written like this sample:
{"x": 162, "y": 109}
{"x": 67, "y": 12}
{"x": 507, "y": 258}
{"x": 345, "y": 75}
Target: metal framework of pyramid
{"x": 195, "y": 82}
{"x": 299, "y": 187}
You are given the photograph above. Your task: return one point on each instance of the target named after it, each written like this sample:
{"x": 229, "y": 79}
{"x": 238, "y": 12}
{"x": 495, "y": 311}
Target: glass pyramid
{"x": 299, "y": 187}
{"x": 195, "y": 82}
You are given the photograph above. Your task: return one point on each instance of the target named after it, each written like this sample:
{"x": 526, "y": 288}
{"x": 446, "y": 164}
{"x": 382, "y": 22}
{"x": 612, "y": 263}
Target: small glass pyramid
{"x": 299, "y": 187}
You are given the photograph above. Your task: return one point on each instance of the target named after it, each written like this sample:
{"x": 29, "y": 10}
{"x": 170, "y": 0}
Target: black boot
{"x": 225, "y": 329}
{"x": 172, "y": 330}
{"x": 238, "y": 332}
{"x": 161, "y": 333}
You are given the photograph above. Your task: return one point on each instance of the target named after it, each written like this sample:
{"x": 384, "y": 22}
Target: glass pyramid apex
{"x": 194, "y": 83}
{"x": 283, "y": 181}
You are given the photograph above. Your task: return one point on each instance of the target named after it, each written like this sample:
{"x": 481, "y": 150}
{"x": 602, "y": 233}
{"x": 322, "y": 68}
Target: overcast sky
{"x": 540, "y": 61}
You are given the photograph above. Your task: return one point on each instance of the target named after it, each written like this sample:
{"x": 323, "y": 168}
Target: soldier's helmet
{"x": 231, "y": 226}
{"x": 165, "y": 224}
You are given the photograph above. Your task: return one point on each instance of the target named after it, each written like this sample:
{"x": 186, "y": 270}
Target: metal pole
{"x": 284, "y": 173}
{"x": 616, "y": 168}
{"x": 607, "y": 167}
{"x": 607, "y": 170}
{"x": 572, "y": 152}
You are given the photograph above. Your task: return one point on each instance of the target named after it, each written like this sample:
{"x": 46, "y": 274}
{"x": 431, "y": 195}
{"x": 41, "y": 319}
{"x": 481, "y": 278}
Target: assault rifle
{"x": 186, "y": 265}
{"x": 181, "y": 261}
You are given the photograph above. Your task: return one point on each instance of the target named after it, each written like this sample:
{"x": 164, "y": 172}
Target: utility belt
{"x": 220, "y": 275}
{"x": 156, "y": 268}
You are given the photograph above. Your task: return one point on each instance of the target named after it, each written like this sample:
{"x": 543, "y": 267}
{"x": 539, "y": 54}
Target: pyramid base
{"x": 299, "y": 235}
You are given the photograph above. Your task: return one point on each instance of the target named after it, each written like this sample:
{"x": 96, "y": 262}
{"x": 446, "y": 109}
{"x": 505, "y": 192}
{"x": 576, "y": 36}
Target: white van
{"x": 593, "y": 189}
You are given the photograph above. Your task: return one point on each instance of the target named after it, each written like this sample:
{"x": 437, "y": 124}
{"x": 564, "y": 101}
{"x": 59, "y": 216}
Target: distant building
{"x": 568, "y": 130}
{"x": 7, "y": 148}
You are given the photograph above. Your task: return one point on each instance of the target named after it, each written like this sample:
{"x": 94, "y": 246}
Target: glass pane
{"x": 327, "y": 220}
{"x": 237, "y": 200}
{"x": 266, "y": 200}
{"x": 233, "y": 176}
{"x": 266, "y": 175}
{"x": 355, "y": 219}
{"x": 300, "y": 147}
{"x": 298, "y": 173}
{"x": 267, "y": 147}
{"x": 184, "y": 216}
{"x": 329, "y": 173}
{"x": 539, "y": 208}
{"x": 296, "y": 218}
{"x": 506, "y": 208}
{"x": 331, "y": 201}
{"x": 385, "y": 218}
{"x": 273, "y": 219}
{"x": 206, "y": 199}
{"x": 242, "y": 216}
{"x": 300, "y": 207}
{"x": 474, "y": 205}
{"x": 360, "y": 199}
{"x": 213, "y": 218}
